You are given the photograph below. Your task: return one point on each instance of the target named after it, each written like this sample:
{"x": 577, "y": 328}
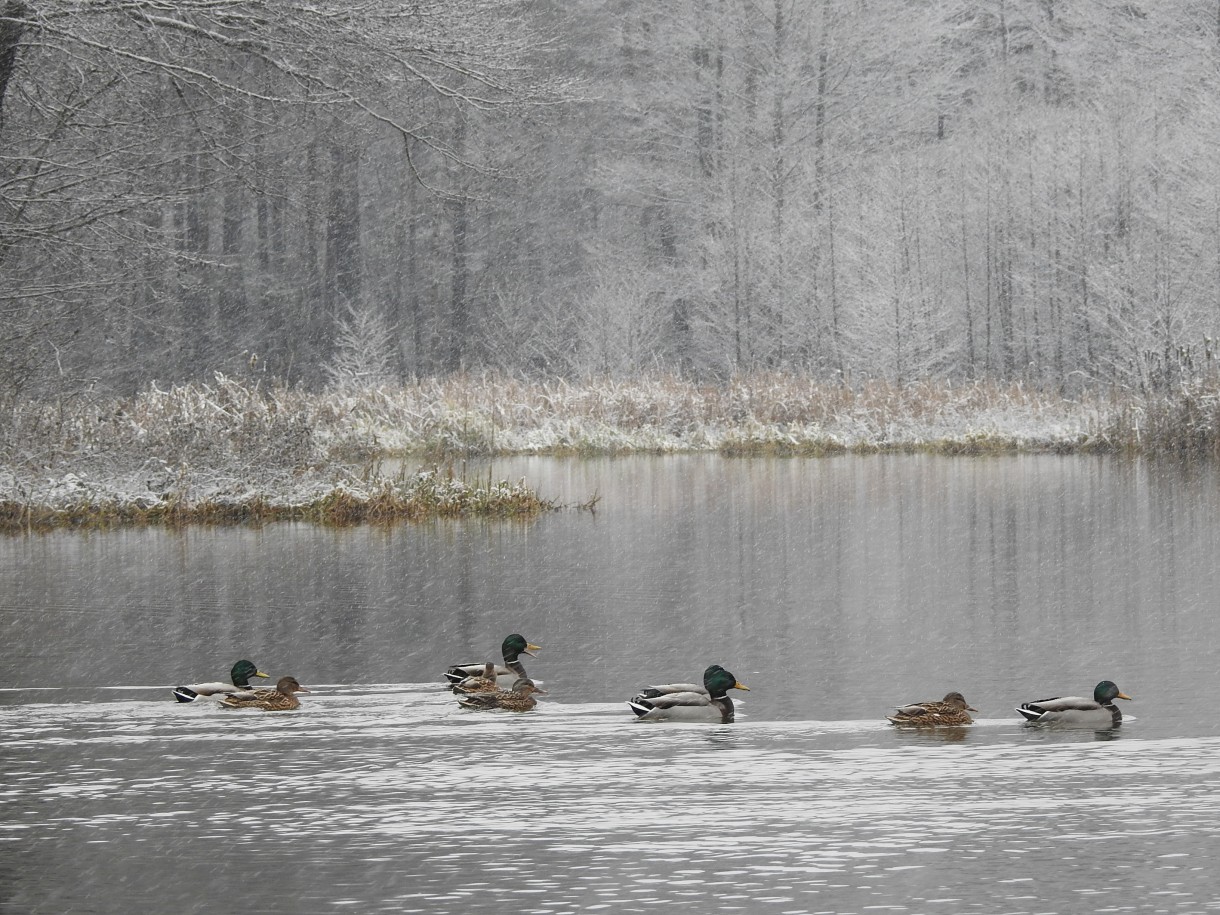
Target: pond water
{"x": 835, "y": 588}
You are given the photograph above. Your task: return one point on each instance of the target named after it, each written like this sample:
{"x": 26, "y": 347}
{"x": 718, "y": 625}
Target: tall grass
{"x": 1185, "y": 423}
{"x": 235, "y": 450}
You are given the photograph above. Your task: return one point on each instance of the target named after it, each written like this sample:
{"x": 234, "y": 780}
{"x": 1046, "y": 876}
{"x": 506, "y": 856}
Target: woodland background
{"x": 339, "y": 193}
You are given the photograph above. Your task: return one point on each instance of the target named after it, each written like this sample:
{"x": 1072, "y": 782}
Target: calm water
{"x": 834, "y": 588}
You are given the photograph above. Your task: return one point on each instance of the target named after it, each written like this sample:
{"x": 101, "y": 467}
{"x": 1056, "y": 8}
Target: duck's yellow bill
{"x": 1122, "y": 696}
{"x": 259, "y": 673}
{"x": 530, "y": 648}
{"x": 737, "y": 685}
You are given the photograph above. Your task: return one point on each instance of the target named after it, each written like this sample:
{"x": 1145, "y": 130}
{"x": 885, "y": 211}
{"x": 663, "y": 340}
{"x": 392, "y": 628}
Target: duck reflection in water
{"x": 723, "y": 738}
{"x": 947, "y": 734}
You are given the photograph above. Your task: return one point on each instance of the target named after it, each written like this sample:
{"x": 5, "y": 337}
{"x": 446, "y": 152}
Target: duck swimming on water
{"x": 519, "y": 699}
{"x": 483, "y": 683}
{"x": 673, "y": 702}
{"x": 1076, "y": 711}
{"x": 951, "y": 711}
{"x": 239, "y": 676}
{"x": 513, "y": 647}
{"x": 281, "y": 699}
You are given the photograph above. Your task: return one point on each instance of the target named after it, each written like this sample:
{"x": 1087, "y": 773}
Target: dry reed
{"x": 236, "y": 451}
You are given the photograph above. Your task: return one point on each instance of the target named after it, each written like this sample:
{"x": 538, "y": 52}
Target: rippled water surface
{"x": 833, "y": 588}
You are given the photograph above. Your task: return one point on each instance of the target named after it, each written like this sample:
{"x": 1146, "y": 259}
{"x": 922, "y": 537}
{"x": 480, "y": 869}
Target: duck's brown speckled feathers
{"x": 484, "y": 683}
{"x": 952, "y": 711}
{"x": 281, "y": 699}
{"x": 519, "y": 699}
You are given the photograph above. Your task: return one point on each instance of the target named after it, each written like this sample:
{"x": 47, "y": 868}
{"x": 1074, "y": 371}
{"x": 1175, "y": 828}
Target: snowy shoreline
{"x": 237, "y": 450}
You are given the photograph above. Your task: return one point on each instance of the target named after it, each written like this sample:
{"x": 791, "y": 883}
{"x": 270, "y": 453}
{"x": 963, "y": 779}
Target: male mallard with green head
{"x": 512, "y": 648}
{"x": 240, "y": 675}
{"x": 519, "y": 699}
{"x": 1075, "y": 711}
{"x": 952, "y": 711}
{"x": 711, "y": 703}
{"x": 281, "y": 699}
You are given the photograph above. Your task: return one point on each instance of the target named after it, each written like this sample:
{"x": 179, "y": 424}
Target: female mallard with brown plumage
{"x": 672, "y": 702}
{"x": 951, "y": 711}
{"x": 240, "y": 676}
{"x": 512, "y": 648}
{"x": 484, "y": 683}
{"x": 519, "y": 699}
{"x": 281, "y": 699}
{"x": 1076, "y": 711}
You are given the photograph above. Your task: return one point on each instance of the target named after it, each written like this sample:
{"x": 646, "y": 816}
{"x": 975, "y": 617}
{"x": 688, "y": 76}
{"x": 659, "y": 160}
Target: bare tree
{"x": 152, "y": 152}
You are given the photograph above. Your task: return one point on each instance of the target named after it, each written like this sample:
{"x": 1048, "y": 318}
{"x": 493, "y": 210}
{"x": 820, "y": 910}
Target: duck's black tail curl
{"x": 640, "y": 705}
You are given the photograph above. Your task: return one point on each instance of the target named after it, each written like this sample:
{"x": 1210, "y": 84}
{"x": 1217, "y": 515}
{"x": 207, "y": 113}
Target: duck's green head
{"x": 242, "y": 671}
{"x": 516, "y": 645}
{"x": 1106, "y": 692}
{"x": 718, "y": 681}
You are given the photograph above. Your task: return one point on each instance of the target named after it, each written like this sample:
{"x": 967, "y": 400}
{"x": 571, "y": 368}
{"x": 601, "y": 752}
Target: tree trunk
{"x": 11, "y": 29}
{"x": 343, "y": 277}
{"x": 459, "y": 306}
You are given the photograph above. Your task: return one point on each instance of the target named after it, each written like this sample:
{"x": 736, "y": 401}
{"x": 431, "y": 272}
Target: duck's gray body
{"x": 1077, "y": 711}
{"x": 684, "y": 706}
{"x": 689, "y": 701}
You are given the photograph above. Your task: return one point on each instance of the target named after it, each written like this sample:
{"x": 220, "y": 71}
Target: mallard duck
{"x": 951, "y": 711}
{"x": 1098, "y": 712}
{"x": 281, "y": 699}
{"x": 485, "y": 682}
{"x": 240, "y": 675}
{"x": 512, "y": 648}
{"x": 709, "y": 703}
{"x": 519, "y": 699}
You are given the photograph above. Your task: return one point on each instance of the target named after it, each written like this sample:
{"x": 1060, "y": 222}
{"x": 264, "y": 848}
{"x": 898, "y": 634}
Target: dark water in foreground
{"x": 835, "y": 589}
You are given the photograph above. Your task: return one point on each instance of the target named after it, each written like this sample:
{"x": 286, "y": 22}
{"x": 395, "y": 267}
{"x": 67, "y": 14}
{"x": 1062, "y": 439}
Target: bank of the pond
{"x": 244, "y": 450}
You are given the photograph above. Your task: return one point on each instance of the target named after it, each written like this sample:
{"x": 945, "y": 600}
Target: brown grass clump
{"x": 421, "y": 497}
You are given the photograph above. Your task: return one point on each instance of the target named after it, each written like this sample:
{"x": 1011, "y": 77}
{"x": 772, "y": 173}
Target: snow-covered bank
{"x": 234, "y": 449}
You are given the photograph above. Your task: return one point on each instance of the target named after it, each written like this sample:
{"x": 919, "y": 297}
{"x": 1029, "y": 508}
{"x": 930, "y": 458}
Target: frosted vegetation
{"x": 236, "y": 450}
{"x": 1021, "y": 191}
{"x": 797, "y": 228}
